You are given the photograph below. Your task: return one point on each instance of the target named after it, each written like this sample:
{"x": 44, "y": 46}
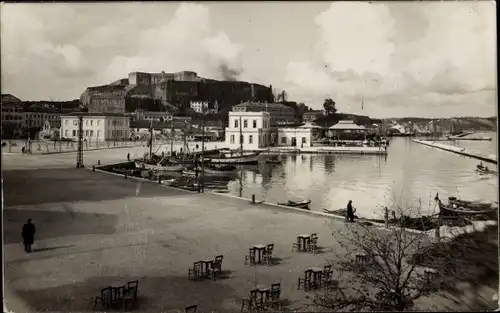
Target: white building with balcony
{"x": 254, "y": 128}
{"x": 199, "y": 106}
{"x": 100, "y": 127}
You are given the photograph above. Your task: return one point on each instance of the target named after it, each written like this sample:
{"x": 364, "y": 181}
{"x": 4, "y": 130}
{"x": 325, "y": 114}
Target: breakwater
{"x": 458, "y": 150}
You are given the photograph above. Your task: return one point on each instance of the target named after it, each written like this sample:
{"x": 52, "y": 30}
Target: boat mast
{"x": 241, "y": 138}
{"x": 151, "y": 140}
{"x": 172, "y": 136}
{"x": 201, "y": 183}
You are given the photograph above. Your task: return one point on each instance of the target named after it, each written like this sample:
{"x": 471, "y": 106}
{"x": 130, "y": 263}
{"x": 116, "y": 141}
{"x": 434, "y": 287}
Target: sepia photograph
{"x": 266, "y": 156}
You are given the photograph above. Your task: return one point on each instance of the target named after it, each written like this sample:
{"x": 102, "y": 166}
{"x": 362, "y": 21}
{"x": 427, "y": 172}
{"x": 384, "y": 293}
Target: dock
{"x": 458, "y": 150}
{"x": 328, "y": 150}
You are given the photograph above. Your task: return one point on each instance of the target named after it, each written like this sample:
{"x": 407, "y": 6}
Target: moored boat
{"x": 159, "y": 167}
{"x": 237, "y": 158}
{"x": 220, "y": 170}
{"x": 303, "y": 204}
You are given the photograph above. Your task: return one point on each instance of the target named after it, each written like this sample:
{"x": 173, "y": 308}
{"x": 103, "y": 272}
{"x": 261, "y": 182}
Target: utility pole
{"x": 172, "y": 130}
{"x": 202, "y": 152}
{"x": 79, "y": 155}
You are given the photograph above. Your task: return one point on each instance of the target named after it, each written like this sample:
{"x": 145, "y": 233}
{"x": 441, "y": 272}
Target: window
{"x": 75, "y": 123}
{"x": 91, "y": 122}
{"x": 303, "y": 139}
{"x": 74, "y": 133}
{"x": 87, "y": 122}
{"x": 283, "y": 140}
{"x": 66, "y": 133}
{"x": 91, "y": 132}
{"x": 66, "y": 122}
{"x": 87, "y": 132}
{"x": 232, "y": 138}
{"x": 98, "y": 122}
{"x": 245, "y": 123}
{"x": 98, "y": 132}
{"x": 236, "y": 124}
{"x": 254, "y": 123}
{"x": 250, "y": 139}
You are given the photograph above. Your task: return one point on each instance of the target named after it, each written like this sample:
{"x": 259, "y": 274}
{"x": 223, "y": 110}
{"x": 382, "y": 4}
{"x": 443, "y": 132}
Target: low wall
{"x": 457, "y": 150}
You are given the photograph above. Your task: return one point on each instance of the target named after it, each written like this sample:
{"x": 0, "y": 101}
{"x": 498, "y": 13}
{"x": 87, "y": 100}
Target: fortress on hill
{"x": 170, "y": 91}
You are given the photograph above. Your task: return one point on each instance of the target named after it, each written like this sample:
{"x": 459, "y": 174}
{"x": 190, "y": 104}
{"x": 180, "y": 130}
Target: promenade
{"x": 94, "y": 229}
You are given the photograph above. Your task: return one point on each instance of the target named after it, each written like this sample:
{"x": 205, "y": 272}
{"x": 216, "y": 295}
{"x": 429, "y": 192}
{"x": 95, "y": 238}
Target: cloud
{"x": 71, "y": 46}
{"x": 184, "y": 43}
{"x": 395, "y": 52}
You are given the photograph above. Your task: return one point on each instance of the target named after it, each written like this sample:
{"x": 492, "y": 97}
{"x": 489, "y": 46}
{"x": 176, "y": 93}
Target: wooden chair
{"x": 196, "y": 270}
{"x": 248, "y": 304}
{"x": 268, "y": 253}
{"x": 296, "y": 245}
{"x": 306, "y": 281}
{"x": 250, "y": 258}
{"x": 275, "y": 294}
{"x": 132, "y": 287}
{"x": 104, "y": 300}
{"x": 216, "y": 268}
{"x": 191, "y": 308}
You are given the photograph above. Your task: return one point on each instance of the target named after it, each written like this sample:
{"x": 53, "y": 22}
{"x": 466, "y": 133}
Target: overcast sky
{"x": 399, "y": 59}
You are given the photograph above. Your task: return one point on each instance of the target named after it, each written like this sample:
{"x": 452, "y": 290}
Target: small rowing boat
{"x": 303, "y": 204}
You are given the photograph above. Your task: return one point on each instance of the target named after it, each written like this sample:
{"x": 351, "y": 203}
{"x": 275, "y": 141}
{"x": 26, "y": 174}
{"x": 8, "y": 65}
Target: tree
{"x": 329, "y": 106}
{"x": 386, "y": 269}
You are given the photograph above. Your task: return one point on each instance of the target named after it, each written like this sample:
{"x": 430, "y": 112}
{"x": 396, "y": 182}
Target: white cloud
{"x": 454, "y": 55}
{"x": 184, "y": 43}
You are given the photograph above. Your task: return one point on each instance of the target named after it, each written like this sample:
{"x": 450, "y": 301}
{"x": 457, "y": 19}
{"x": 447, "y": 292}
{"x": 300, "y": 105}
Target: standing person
{"x": 28, "y": 234}
{"x": 350, "y": 212}
{"x": 128, "y": 156}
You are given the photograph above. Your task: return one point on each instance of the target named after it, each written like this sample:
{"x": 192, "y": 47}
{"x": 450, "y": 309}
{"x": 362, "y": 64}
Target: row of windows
{"x": 91, "y": 122}
{"x": 254, "y": 124}
{"x": 90, "y": 133}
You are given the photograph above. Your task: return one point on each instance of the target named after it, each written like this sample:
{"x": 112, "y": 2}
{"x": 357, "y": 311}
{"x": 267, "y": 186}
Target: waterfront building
{"x": 255, "y": 130}
{"x": 311, "y": 116}
{"x": 316, "y": 130}
{"x": 294, "y": 137}
{"x": 152, "y": 116}
{"x": 347, "y": 127}
{"x": 279, "y": 113}
{"x": 96, "y": 126}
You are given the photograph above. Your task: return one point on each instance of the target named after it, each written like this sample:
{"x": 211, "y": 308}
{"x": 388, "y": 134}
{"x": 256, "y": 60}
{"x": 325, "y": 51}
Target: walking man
{"x": 350, "y": 212}
{"x": 28, "y": 234}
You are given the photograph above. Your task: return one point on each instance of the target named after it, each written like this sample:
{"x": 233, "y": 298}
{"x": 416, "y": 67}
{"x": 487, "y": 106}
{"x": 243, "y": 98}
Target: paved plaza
{"x": 94, "y": 229}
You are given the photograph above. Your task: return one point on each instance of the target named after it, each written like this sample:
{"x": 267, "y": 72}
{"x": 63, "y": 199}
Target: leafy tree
{"x": 329, "y": 106}
{"x": 384, "y": 270}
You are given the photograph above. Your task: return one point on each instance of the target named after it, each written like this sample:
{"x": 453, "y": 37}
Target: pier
{"x": 327, "y": 150}
{"x": 458, "y": 150}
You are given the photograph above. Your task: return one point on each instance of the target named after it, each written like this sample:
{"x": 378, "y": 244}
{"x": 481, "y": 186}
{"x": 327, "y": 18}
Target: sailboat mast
{"x": 151, "y": 140}
{"x": 172, "y": 137}
{"x": 241, "y": 138}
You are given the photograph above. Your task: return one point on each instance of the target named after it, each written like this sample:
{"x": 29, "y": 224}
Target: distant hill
{"x": 464, "y": 123}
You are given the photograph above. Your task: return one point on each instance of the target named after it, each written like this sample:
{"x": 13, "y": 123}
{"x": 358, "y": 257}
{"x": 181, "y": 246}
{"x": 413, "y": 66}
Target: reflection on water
{"x": 410, "y": 173}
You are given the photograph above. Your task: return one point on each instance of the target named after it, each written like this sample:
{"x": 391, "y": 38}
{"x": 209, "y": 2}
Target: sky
{"x": 383, "y": 59}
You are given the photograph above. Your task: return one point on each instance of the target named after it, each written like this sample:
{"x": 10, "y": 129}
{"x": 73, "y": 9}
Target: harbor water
{"x": 410, "y": 176}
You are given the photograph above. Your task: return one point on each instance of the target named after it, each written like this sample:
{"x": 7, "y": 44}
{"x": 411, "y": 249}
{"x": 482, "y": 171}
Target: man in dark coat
{"x": 28, "y": 235}
{"x": 350, "y": 212}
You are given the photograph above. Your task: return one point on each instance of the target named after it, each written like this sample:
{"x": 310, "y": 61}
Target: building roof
{"x": 346, "y": 125}
{"x": 7, "y": 97}
{"x": 262, "y": 105}
{"x": 311, "y": 126}
{"x": 94, "y": 114}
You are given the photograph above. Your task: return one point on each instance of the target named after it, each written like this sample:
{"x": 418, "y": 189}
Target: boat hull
{"x": 245, "y": 159}
{"x": 299, "y": 205}
{"x": 160, "y": 168}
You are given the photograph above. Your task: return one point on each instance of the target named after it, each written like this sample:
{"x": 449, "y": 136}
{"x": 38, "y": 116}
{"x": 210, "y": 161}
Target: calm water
{"x": 410, "y": 174}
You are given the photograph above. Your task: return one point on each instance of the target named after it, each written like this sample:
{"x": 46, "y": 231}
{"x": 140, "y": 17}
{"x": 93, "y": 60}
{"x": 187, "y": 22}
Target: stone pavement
{"x": 94, "y": 229}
